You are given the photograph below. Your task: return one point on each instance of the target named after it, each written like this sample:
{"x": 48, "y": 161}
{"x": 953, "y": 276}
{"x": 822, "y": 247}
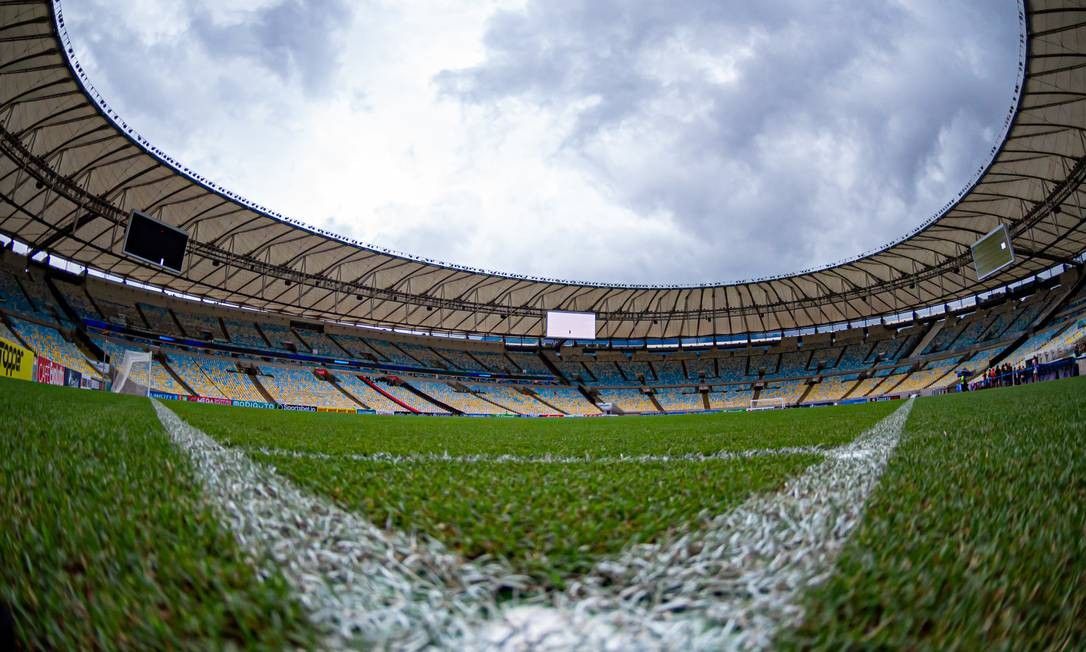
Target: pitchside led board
{"x": 154, "y": 242}
{"x": 993, "y": 252}
{"x": 571, "y": 325}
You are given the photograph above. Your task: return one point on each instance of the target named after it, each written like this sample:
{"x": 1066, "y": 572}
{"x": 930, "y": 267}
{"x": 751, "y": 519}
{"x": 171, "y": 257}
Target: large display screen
{"x": 571, "y": 325}
{"x": 993, "y": 252}
{"x": 154, "y": 242}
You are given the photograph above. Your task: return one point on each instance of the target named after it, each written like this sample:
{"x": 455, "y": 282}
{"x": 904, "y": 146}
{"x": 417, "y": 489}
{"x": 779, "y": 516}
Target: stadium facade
{"x": 281, "y": 303}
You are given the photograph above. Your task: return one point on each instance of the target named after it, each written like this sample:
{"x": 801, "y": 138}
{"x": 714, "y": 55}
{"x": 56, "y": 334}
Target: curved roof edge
{"x": 72, "y": 142}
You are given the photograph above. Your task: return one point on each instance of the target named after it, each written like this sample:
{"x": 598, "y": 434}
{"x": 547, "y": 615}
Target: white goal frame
{"x": 125, "y": 370}
{"x": 766, "y": 404}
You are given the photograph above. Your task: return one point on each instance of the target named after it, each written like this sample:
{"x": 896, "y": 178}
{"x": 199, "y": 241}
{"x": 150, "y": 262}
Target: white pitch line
{"x": 731, "y": 584}
{"x": 355, "y": 581}
{"x": 540, "y": 459}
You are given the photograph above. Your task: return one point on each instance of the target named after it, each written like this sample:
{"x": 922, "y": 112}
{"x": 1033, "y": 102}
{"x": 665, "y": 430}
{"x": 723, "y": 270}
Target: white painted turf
{"x": 730, "y": 585}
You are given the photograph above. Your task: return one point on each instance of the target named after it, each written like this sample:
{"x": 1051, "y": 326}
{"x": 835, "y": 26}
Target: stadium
{"x": 227, "y": 428}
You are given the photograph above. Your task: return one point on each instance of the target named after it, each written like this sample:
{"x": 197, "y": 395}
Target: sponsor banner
{"x": 210, "y": 400}
{"x": 299, "y": 408}
{"x": 72, "y": 378}
{"x": 15, "y": 361}
{"x": 50, "y": 372}
{"x": 338, "y": 410}
{"x": 252, "y": 404}
{"x": 91, "y": 383}
{"x": 361, "y": 411}
{"x": 165, "y": 396}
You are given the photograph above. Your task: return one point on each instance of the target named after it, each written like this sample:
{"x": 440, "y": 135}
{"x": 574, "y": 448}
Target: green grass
{"x": 105, "y": 541}
{"x": 705, "y": 433}
{"x": 550, "y": 521}
{"x": 976, "y": 536}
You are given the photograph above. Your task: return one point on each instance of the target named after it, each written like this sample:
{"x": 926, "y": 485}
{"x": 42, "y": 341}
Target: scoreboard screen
{"x": 154, "y": 242}
{"x": 993, "y": 252}
{"x": 571, "y": 325}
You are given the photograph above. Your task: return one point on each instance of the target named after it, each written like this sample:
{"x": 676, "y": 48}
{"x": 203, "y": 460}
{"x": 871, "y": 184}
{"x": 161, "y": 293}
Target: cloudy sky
{"x": 605, "y": 140}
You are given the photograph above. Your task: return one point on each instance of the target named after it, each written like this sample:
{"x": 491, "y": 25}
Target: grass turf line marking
{"x": 731, "y": 584}
{"x": 356, "y": 581}
{"x": 541, "y": 459}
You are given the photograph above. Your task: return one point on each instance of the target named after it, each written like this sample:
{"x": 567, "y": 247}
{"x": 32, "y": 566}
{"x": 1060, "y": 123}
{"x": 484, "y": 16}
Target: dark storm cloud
{"x": 835, "y": 126}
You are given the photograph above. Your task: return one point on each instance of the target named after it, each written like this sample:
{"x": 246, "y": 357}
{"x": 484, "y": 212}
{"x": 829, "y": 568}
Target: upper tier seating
{"x": 824, "y": 359}
{"x": 702, "y": 367}
{"x": 244, "y": 334}
{"x": 606, "y": 373}
{"x": 280, "y": 336}
{"x": 793, "y": 364}
{"x": 12, "y": 297}
{"x": 853, "y": 357}
{"x": 320, "y": 342}
{"x": 461, "y": 360}
{"x": 159, "y": 319}
{"x": 669, "y": 372}
{"x": 199, "y": 325}
{"x": 528, "y": 363}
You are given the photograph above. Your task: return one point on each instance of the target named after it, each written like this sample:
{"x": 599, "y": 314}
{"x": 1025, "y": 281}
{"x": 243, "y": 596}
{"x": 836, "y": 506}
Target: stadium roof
{"x": 71, "y": 170}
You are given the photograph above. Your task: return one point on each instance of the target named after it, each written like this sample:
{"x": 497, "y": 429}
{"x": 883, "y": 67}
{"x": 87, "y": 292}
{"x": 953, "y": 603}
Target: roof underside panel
{"x": 71, "y": 171}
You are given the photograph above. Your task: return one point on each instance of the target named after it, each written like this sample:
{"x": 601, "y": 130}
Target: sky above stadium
{"x": 602, "y": 140}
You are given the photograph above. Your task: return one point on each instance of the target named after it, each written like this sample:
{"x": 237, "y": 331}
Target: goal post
{"x": 766, "y": 404}
{"x": 133, "y": 376}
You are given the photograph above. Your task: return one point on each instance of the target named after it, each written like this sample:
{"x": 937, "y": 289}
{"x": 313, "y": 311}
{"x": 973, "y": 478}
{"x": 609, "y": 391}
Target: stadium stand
{"x": 790, "y": 391}
{"x": 161, "y": 379}
{"x": 234, "y": 384}
{"x": 244, "y": 334}
{"x": 299, "y": 386}
{"x": 674, "y": 399}
{"x": 49, "y": 343}
{"x": 458, "y": 397}
{"x": 159, "y": 319}
{"x": 12, "y": 297}
{"x": 370, "y": 397}
{"x": 281, "y": 337}
{"x": 188, "y": 368}
{"x": 567, "y": 399}
{"x": 627, "y": 400}
{"x": 730, "y": 398}
{"x": 406, "y": 396}
{"x": 833, "y": 388}
{"x": 199, "y": 325}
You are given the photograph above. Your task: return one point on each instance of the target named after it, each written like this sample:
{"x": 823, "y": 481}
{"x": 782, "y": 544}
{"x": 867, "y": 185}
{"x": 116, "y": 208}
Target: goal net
{"x": 766, "y": 403}
{"x": 133, "y": 375}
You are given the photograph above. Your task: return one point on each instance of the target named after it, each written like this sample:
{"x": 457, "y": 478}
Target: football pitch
{"x": 942, "y": 522}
